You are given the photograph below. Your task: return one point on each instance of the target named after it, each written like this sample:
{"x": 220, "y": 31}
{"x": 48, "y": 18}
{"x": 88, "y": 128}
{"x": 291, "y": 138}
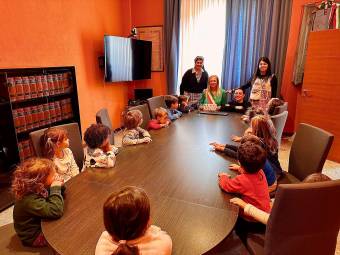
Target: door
{"x": 318, "y": 103}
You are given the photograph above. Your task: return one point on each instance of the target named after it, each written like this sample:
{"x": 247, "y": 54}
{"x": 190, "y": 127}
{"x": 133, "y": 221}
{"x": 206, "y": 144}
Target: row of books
{"x": 27, "y": 87}
{"x": 25, "y": 149}
{"x": 32, "y": 117}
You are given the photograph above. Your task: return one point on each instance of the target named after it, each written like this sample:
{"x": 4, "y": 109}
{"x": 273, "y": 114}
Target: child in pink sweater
{"x": 161, "y": 119}
{"x": 128, "y": 229}
{"x": 250, "y": 184}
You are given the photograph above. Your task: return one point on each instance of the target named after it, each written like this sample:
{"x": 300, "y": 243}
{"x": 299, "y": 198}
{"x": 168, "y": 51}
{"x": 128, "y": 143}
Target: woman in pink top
{"x": 128, "y": 229}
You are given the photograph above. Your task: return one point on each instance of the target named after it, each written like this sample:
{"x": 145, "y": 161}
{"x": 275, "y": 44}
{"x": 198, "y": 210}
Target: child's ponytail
{"x": 47, "y": 147}
{"x": 49, "y": 140}
{"x": 126, "y": 216}
{"x": 126, "y": 249}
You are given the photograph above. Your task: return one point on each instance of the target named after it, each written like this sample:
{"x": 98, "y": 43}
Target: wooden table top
{"x": 177, "y": 169}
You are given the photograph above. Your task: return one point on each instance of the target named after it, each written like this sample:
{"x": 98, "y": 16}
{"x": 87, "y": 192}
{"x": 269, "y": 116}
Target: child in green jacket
{"x": 37, "y": 191}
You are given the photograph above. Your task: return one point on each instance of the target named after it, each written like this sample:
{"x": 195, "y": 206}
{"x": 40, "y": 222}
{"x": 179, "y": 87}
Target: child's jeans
{"x": 244, "y": 227}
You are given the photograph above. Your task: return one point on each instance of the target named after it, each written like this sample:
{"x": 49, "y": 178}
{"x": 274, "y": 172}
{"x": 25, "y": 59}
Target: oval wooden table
{"x": 178, "y": 170}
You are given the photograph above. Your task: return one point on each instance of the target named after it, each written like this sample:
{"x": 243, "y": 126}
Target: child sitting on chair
{"x": 161, "y": 119}
{"x": 54, "y": 145}
{"x": 261, "y": 127}
{"x": 183, "y": 104}
{"x": 251, "y": 184}
{"x": 270, "y": 109}
{"x": 267, "y": 168}
{"x": 133, "y": 133}
{"x": 38, "y": 195}
{"x": 172, "y": 104}
{"x": 127, "y": 223}
{"x": 99, "y": 152}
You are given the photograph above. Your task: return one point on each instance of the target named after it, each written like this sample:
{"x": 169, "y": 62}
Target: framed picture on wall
{"x": 155, "y": 35}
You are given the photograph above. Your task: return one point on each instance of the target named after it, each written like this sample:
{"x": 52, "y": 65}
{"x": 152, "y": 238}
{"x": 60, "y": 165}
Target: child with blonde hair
{"x": 261, "y": 127}
{"x": 133, "y": 133}
{"x": 54, "y": 145}
{"x": 38, "y": 195}
{"x": 99, "y": 152}
{"x": 127, "y": 223}
{"x": 161, "y": 119}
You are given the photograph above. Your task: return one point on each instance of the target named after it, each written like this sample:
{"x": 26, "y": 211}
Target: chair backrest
{"x": 144, "y": 108}
{"x": 281, "y": 108}
{"x": 309, "y": 150}
{"x": 167, "y": 100}
{"x": 304, "y": 219}
{"x": 155, "y": 102}
{"x": 279, "y": 122}
{"x": 102, "y": 117}
{"x": 75, "y": 141}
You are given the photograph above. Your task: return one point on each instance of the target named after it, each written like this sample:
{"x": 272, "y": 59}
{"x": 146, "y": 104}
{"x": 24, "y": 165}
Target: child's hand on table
{"x": 238, "y": 201}
{"x": 236, "y": 138}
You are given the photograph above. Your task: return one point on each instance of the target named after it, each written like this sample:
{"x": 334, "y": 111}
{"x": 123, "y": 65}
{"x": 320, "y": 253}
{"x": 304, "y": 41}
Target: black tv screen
{"x": 126, "y": 59}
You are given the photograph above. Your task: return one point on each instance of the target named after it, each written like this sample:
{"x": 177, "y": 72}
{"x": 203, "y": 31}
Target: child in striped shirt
{"x": 133, "y": 133}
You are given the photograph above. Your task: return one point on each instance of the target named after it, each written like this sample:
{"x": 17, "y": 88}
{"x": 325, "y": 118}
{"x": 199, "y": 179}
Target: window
{"x": 202, "y": 33}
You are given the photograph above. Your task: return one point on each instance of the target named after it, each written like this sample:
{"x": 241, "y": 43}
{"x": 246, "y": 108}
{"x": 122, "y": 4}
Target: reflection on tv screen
{"x": 127, "y": 59}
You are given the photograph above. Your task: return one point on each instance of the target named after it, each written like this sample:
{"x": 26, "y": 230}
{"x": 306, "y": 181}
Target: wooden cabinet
{"x": 31, "y": 99}
{"x": 318, "y": 103}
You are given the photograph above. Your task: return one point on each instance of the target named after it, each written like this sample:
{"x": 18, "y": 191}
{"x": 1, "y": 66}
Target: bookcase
{"x": 31, "y": 99}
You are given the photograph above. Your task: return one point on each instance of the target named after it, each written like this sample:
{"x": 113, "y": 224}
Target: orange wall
{"x": 39, "y": 33}
{"x": 288, "y": 90}
{"x": 149, "y": 13}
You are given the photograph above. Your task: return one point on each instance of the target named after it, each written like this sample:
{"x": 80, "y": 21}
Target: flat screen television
{"x": 126, "y": 59}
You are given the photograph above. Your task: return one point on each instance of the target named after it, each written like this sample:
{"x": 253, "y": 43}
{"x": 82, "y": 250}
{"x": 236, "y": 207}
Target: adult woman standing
{"x": 194, "y": 80}
{"x": 214, "y": 94}
{"x": 263, "y": 84}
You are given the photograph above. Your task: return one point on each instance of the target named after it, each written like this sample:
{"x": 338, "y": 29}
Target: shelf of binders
{"x": 28, "y": 88}
{"x": 32, "y": 99}
{"x": 28, "y": 118}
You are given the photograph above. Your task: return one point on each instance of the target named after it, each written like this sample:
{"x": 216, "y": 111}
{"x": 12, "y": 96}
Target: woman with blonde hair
{"x": 213, "y": 94}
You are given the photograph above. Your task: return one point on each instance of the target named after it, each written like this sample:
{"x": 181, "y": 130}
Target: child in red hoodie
{"x": 251, "y": 185}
